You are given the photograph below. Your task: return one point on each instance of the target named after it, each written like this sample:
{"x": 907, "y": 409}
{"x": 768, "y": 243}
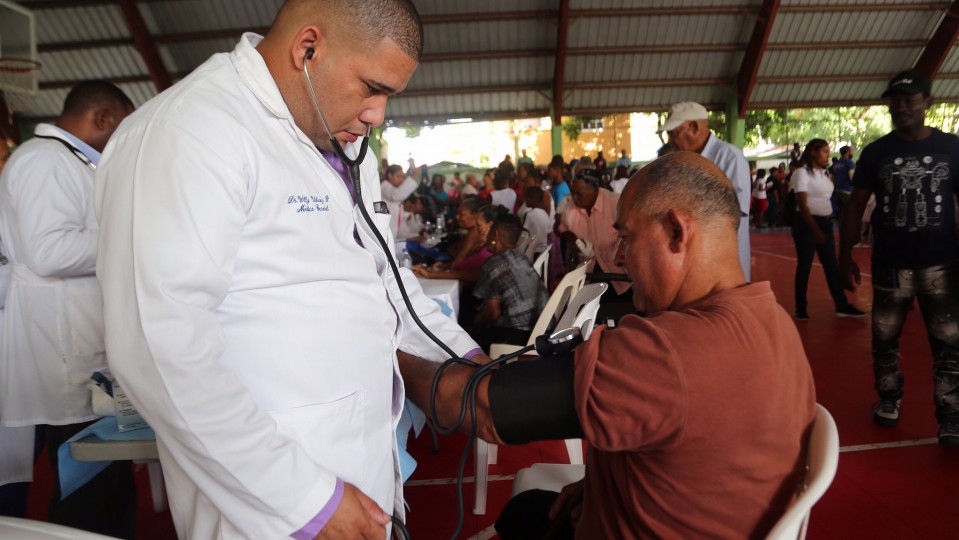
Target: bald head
{"x": 368, "y": 20}
{"x": 687, "y": 182}
{"x": 677, "y": 222}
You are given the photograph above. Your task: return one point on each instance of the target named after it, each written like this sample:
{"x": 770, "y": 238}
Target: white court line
{"x": 793, "y": 259}
{"x": 894, "y": 444}
{"x": 485, "y": 534}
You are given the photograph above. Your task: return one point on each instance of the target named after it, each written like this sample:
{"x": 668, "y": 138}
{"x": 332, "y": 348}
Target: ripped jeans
{"x": 937, "y": 289}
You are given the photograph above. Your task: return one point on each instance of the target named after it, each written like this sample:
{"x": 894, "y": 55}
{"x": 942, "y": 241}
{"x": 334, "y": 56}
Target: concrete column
{"x": 735, "y": 126}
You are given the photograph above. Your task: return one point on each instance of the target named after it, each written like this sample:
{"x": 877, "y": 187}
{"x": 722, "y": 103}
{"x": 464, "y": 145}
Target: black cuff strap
{"x": 533, "y": 400}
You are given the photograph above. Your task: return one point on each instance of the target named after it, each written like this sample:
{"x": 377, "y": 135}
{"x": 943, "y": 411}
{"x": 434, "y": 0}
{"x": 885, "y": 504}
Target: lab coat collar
{"x": 257, "y": 77}
{"x": 50, "y": 130}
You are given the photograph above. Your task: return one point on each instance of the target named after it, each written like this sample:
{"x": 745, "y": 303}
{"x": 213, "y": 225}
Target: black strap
{"x": 73, "y": 149}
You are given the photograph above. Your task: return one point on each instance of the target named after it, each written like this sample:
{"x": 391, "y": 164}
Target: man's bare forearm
{"x": 418, "y": 377}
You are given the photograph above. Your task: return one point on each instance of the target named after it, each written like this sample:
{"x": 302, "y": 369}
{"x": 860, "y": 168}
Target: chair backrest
{"x": 542, "y": 262}
{"x": 525, "y": 244}
{"x": 581, "y": 311}
{"x": 571, "y": 283}
{"x": 822, "y": 459}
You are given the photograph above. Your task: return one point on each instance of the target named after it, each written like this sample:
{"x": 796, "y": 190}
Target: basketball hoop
{"x": 18, "y": 82}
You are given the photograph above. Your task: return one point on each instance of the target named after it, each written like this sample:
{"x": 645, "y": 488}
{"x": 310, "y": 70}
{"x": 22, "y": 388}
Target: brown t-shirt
{"x": 695, "y": 419}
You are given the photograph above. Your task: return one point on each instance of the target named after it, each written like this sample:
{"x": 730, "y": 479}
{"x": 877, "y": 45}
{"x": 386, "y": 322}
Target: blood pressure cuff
{"x": 533, "y": 400}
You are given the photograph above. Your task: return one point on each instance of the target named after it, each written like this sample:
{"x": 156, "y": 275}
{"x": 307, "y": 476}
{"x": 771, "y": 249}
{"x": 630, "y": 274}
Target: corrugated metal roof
{"x": 487, "y": 36}
{"x": 100, "y": 63}
{"x": 659, "y": 30}
{"x": 483, "y": 73}
{"x": 80, "y": 23}
{"x": 499, "y": 56}
{"x": 824, "y": 62}
{"x": 651, "y": 67}
{"x": 204, "y": 15}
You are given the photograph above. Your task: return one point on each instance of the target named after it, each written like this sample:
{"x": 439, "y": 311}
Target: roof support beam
{"x": 559, "y": 68}
{"x": 940, "y": 44}
{"x": 749, "y": 70}
{"x": 145, "y": 45}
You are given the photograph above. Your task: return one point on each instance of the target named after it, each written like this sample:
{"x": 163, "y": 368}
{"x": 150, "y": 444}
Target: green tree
{"x": 572, "y": 126}
{"x": 857, "y": 126}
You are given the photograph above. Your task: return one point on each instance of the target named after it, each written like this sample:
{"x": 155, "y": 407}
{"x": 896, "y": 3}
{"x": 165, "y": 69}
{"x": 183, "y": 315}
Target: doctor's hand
{"x": 356, "y": 517}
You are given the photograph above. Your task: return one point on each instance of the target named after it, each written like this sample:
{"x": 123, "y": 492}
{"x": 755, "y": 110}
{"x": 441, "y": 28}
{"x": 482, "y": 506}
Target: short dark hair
{"x": 760, "y": 173}
{"x": 509, "y": 227}
{"x": 533, "y": 194}
{"x": 90, "y": 95}
{"x": 393, "y": 169}
{"x": 500, "y": 179}
{"x": 844, "y": 149}
{"x": 394, "y": 19}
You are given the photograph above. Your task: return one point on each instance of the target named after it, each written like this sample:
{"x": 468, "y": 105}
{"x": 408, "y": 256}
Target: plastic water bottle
{"x": 440, "y": 226}
{"x": 404, "y": 260}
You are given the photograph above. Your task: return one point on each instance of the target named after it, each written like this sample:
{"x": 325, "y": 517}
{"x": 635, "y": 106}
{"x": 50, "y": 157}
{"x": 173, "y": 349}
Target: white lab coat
{"x": 249, "y": 328}
{"x": 394, "y": 196}
{"x": 53, "y": 327}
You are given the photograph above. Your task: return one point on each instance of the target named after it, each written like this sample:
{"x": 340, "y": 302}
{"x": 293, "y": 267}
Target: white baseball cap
{"x": 682, "y": 112}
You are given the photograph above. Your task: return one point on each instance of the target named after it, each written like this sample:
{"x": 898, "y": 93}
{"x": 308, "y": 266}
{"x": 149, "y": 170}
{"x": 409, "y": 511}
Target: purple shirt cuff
{"x": 313, "y": 528}
{"x": 471, "y": 354}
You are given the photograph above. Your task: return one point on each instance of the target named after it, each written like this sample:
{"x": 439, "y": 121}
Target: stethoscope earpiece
{"x": 309, "y": 53}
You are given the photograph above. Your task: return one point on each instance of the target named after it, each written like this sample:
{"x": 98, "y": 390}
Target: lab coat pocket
{"x": 332, "y": 434}
{"x": 82, "y": 329}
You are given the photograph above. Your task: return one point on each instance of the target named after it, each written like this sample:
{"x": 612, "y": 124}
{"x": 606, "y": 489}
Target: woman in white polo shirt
{"x": 812, "y": 230}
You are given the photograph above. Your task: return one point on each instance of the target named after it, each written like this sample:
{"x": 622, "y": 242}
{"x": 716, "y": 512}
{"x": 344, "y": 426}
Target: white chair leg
{"x": 493, "y": 453}
{"x": 157, "y": 488}
{"x": 481, "y": 458}
{"x": 575, "y": 449}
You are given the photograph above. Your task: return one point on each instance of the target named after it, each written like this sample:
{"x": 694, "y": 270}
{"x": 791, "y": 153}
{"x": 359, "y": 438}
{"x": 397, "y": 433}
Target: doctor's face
{"x": 352, "y": 84}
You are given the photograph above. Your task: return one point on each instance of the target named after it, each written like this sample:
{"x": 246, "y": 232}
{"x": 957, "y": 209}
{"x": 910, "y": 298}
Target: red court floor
{"x": 892, "y": 483}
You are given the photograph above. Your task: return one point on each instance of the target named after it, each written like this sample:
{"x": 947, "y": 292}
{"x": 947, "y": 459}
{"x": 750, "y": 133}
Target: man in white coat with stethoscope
{"x": 53, "y": 328}
{"x": 251, "y": 313}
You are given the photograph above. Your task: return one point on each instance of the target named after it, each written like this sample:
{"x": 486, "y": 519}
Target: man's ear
{"x": 679, "y": 228}
{"x": 310, "y": 37}
{"x": 103, "y": 118}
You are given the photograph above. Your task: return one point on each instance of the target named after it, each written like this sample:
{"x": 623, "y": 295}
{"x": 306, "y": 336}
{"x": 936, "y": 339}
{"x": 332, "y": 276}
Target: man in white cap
{"x": 688, "y": 130}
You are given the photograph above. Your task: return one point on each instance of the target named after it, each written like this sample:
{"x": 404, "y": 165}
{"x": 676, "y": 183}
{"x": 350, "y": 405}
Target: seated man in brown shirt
{"x": 695, "y": 422}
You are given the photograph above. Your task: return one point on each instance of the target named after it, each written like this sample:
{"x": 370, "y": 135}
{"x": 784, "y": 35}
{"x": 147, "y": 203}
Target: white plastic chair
{"x": 580, "y": 311}
{"x": 28, "y": 529}
{"x": 540, "y": 264}
{"x": 822, "y": 459}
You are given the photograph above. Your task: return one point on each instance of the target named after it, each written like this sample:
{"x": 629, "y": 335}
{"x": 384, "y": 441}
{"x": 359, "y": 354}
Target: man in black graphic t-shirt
{"x": 913, "y": 173}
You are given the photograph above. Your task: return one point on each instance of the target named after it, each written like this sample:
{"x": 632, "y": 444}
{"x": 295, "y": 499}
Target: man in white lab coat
{"x": 250, "y": 312}
{"x": 53, "y": 329}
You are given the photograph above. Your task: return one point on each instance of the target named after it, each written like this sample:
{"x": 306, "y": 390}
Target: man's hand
{"x": 569, "y": 504}
{"x": 849, "y": 271}
{"x": 356, "y": 517}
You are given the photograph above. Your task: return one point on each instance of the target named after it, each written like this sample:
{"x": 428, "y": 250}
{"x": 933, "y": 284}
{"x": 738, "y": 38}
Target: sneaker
{"x": 886, "y": 412}
{"x": 949, "y": 434}
{"x": 801, "y": 315}
{"x": 849, "y": 311}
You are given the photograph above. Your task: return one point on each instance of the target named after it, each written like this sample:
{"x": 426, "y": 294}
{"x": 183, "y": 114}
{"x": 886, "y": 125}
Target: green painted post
{"x": 557, "y": 133}
{"x": 735, "y": 126}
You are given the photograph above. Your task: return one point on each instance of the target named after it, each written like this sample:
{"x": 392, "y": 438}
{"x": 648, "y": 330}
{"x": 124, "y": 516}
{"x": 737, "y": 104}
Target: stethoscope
{"x": 73, "y": 149}
{"x": 353, "y": 166}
